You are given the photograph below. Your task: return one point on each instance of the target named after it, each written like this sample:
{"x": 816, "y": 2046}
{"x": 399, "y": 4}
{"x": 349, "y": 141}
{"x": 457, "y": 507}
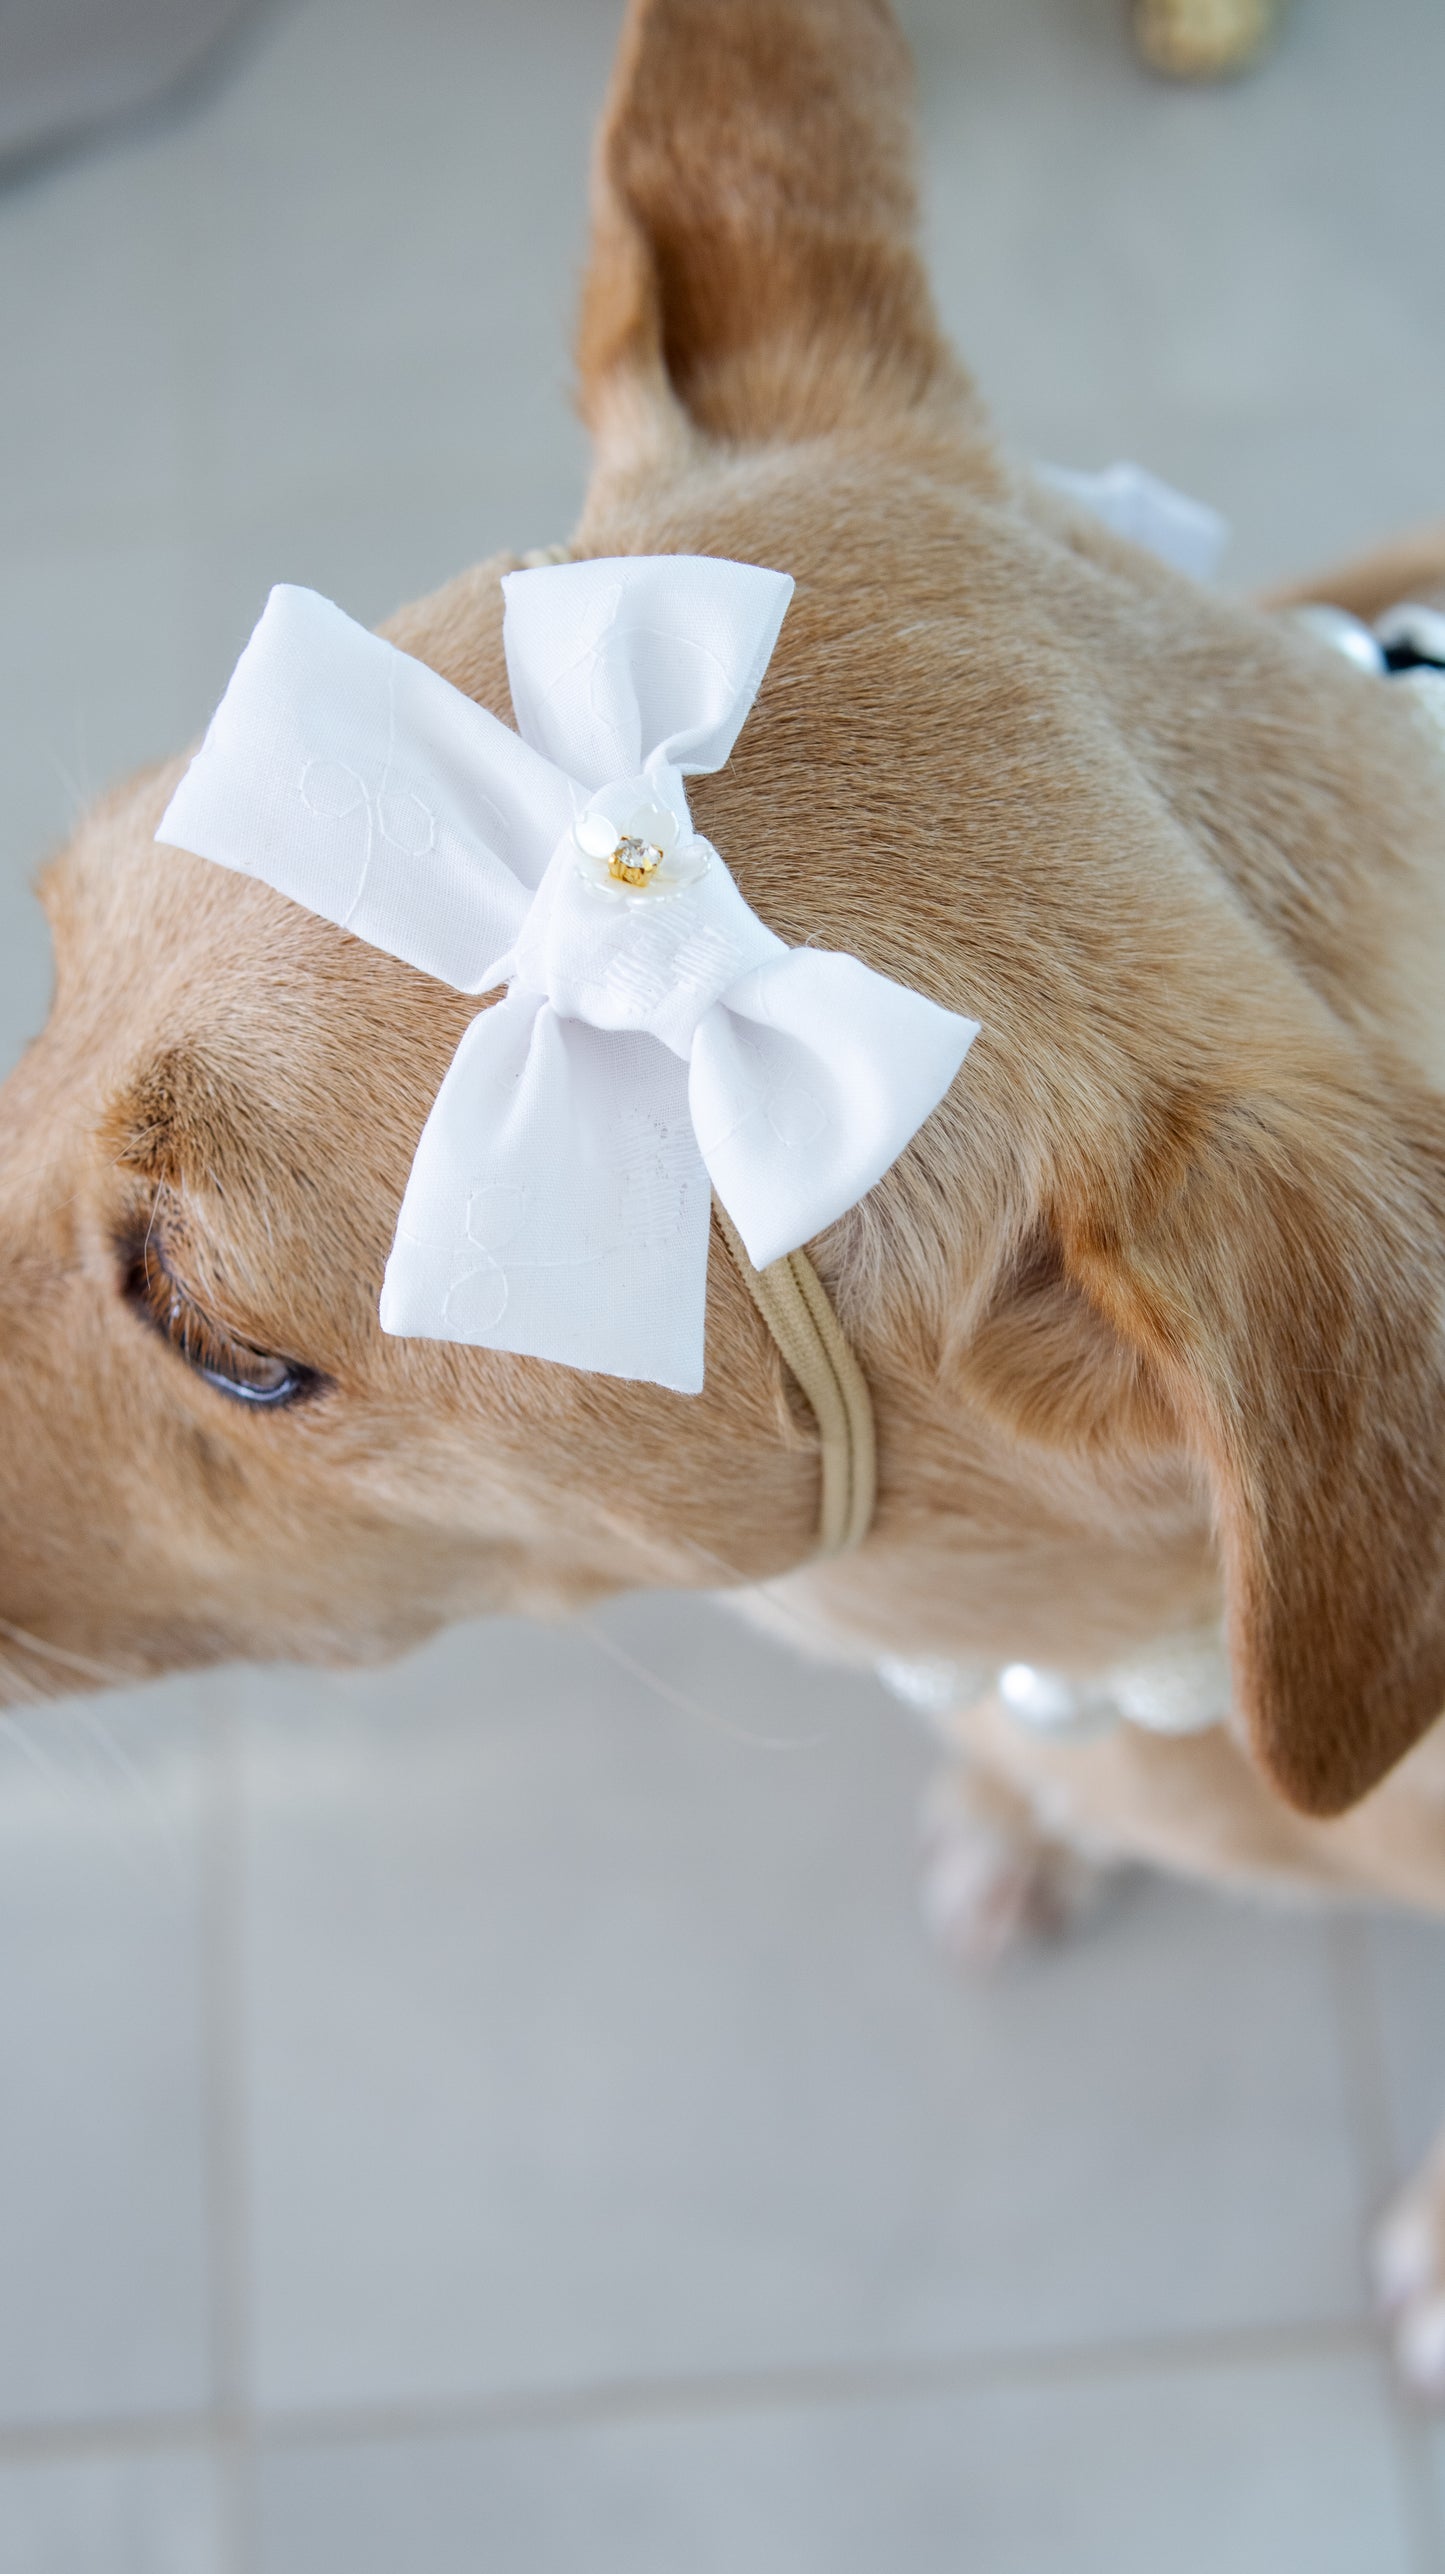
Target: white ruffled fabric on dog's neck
{"x": 656, "y": 1041}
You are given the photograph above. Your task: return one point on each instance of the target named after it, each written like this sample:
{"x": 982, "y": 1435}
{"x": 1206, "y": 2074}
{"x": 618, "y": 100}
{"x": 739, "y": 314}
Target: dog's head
{"x": 1160, "y": 1282}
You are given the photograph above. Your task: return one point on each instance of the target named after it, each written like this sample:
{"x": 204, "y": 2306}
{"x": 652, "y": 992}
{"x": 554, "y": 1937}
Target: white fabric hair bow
{"x": 655, "y": 1037}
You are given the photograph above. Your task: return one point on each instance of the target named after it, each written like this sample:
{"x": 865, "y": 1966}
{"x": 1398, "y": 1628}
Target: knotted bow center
{"x": 635, "y": 925}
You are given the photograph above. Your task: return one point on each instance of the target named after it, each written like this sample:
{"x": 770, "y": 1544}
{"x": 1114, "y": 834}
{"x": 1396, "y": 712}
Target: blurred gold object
{"x": 1203, "y": 39}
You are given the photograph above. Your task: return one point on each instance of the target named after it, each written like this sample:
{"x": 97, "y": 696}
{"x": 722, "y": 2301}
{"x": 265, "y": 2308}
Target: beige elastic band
{"x": 793, "y": 1303}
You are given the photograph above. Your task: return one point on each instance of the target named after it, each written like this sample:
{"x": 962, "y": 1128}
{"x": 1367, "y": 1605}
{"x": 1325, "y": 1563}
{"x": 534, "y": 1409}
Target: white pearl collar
{"x": 1177, "y": 1686}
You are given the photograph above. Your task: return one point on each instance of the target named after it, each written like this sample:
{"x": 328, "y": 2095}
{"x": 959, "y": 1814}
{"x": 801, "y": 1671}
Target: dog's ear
{"x": 754, "y": 269}
{"x": 1274, "y": 1259}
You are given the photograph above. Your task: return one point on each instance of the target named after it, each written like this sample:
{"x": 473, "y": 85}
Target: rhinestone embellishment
{"x": 642, "y": 852}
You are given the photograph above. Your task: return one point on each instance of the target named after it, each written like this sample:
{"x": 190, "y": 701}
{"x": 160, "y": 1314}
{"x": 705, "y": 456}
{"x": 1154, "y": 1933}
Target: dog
{"x": 1150, "y": 1310}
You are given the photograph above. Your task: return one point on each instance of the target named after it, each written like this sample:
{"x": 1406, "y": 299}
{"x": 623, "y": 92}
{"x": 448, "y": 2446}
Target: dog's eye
{"x": 247, "y": 1375}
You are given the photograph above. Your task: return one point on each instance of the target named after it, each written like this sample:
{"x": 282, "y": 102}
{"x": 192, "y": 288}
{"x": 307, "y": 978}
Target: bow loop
{"x": 794, "y": 1123}
{"x": 601, "y": 1236}
{"x": 645, "y": 656}
{"x": 653, "y": 956}
{"x": 656, "y": 1036}
{"x": 352, "y": 778}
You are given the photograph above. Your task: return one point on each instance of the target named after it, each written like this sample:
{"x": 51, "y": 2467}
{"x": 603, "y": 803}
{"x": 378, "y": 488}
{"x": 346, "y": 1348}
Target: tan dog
{"x": 1151, "y": 1310}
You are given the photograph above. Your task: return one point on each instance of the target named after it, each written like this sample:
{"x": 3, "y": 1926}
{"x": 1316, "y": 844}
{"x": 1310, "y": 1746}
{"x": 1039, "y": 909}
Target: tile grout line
{"x": 785, "y": 2388}
{"x": 228, "y": 2421}
{"x": 1362, "y": 2057}
{"x": 722, "y": 2393}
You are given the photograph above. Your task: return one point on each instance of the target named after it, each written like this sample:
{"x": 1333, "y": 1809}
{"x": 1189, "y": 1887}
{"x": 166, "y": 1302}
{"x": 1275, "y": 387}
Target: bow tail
{"x": 558, "y": 1205}
{"x": 807, "y": 1080}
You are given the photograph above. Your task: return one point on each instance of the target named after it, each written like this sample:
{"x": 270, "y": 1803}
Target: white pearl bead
{"x": 654, "y": 824}
{"x": 1344, "y": 633}
{"x": 1042, "y": 1698}
{"x": 595, "y": 834}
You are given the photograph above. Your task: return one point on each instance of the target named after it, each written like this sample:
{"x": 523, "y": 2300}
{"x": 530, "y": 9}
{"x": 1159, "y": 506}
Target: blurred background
{"x": 504, "y": 2112}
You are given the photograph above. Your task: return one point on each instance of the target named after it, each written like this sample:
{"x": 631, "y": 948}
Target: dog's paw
{"x": 1409, "y": 2274}
{"x": 991, "y": 1878}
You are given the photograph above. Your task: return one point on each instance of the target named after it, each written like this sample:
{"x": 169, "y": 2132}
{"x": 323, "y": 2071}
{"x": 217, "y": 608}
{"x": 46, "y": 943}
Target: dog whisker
{"x": 80, "y": 796}
{"x": 103, "y": 1736}
{"x": 687, "y": 1705}
{"x": 17, "y": 1689}
{"x": 61, "y": 1785}
{"x": 84, "y": 1789}
{"x": 812, "y": 1633}
{"x": 101, "y": 1675}
{"x": 52, "y": 1688}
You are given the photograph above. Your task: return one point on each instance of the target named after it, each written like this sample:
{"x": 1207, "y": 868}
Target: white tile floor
{"x": 482, "y": 2116}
